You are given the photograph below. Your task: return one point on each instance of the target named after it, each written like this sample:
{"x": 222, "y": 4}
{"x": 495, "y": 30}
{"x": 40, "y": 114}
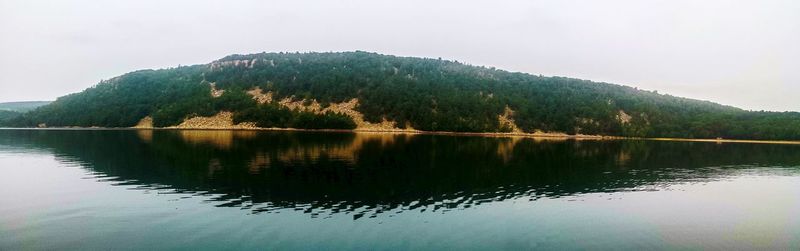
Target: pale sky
{"x": 740, "y": 53}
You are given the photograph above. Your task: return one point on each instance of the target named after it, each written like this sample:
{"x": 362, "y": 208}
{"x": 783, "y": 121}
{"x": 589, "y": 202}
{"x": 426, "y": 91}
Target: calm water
{"x": 333, "y": 191}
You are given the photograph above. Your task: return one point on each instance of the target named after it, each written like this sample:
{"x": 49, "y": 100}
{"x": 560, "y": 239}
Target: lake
{"x": 260, "y": 190}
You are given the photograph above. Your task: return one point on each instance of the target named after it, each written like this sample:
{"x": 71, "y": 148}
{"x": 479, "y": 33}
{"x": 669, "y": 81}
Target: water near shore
{"x": 143, "y": 189}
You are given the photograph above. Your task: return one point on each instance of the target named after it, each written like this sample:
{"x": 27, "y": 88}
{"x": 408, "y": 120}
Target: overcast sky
{"x": 741, "y": 53}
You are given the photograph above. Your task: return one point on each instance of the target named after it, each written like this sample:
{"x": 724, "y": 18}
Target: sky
{"x": 740, "y": 53}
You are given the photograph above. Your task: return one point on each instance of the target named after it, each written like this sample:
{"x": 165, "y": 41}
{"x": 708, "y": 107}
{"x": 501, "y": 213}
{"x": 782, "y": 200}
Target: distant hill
{"x": 23, "y": 106}
{"x": 369, "y": 91}
{"x": 10, "y": 111}
{"x": 7, "y": 116}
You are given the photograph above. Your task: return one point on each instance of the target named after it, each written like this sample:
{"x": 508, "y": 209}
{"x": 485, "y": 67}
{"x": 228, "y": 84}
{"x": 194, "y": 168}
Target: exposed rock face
{"x": 347, "y": 108}
{"x": 300, "y": 105}
{"x": 259, "y": 95}
{"x": 244, "y": 63}
{"x": 623, "y": 117}
{"x": 145, "y": 123}
{"x": 214, "y": 92}
{"x": 506, "y": 119}
{"x": 223, "y": 120}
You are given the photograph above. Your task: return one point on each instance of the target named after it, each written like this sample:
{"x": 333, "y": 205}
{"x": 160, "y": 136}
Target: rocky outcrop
{"x": 507, "y": 120}
{"x": 301, "y": 105}
{"x": 235, "y": 63}
{"x": 347, "y": 108}
{"x": 223, "y": 120}
{"x": 145, "y": 123}
{"x": 623, "y": 117}
{"x": 214, "y": 92}
{"x": 259, "y": 95}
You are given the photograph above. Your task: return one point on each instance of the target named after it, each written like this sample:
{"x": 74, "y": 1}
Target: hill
{"x": 369, "y": 91}
{"x": 8, "y": 116}
{"x": 22, "y": 106}
{"x": 12, "y": 110}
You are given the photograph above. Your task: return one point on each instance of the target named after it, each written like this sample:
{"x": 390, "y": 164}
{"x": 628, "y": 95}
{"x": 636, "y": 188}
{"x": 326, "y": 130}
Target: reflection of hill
{"x": 373, "y": 173}
{"x": 220, "y": 139}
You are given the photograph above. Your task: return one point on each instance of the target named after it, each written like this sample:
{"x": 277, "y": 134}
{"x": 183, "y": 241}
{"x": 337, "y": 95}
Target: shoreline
{"x": 720, "y": 141}
{"x": 409, "y": 132}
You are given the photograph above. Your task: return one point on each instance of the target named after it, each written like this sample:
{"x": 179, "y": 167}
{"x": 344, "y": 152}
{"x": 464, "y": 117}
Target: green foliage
{"x": 124, "y": 100}
{"x": 268, "y": 116}
{"x": 328, "y": 120}
{"x": 23, "y": 106}
{"x": 427, "y": 94}
{"x": 7, "y": 116}
{"x": 233, "y": 99}
{"x": 200, "y": 104}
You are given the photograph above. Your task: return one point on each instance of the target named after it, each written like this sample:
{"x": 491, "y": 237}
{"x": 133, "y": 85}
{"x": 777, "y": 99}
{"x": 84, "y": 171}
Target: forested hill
{"x": 11, "y": 110}
{"x": 364, "y": 90}
{"x": 22, "y": 106}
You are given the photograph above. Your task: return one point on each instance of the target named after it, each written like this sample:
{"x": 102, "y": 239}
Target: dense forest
{"x": 8, "y": 116}
{"x": 22, "y": 106}
{"x": 11, "y": 111}
{"x": 425, "y": 94}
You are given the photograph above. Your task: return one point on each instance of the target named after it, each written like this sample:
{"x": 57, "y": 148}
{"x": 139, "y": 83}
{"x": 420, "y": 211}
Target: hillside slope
{"x": 360, "y": 90}
{"x": 8, "y": 116}
{"x": 22, "y": 106}
{"x": 9, "y": 111}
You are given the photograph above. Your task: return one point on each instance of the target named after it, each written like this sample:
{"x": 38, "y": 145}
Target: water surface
{"x": 128, "y": 189}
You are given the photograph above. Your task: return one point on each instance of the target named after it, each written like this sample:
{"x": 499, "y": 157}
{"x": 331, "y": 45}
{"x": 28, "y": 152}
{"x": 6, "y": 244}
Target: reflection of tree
{"x": 366, "y": 174}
